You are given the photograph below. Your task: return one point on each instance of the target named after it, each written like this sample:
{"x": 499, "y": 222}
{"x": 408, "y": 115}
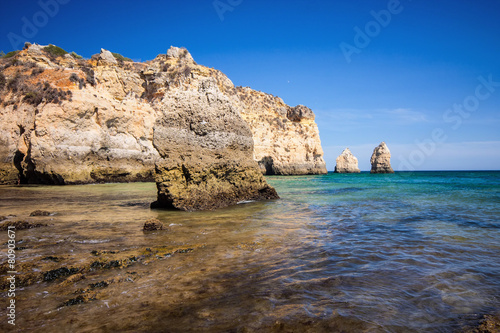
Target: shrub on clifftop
{"x": 75, "y": 55}
{"x": 119, "y": 57}
{"x": 55, "y": 51}
{"x": 10, "y": 54}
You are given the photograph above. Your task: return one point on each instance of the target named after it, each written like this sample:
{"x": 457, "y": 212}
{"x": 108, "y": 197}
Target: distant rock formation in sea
{"x": 381, "y": 159}
{"x": 67, "y": 120}
{"x": 347, "y": 163}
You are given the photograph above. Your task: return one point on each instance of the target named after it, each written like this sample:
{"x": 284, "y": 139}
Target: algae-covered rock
{"x": 152, "y": 224}
{"x": 40, "y": 213}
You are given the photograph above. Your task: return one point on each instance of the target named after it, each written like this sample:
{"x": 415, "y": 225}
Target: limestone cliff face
{"x": 347, "y": 163}
{"x": 206, "y": 149}
{"x": 68, "y": 121}
{"x": 286, "y": 138}
{"x": 381, "y": 159}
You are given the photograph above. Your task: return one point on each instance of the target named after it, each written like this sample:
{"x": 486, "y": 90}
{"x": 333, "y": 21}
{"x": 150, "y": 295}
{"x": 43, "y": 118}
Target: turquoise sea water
{"x": 422, "y": 248}
{"x": 404, "y": 252}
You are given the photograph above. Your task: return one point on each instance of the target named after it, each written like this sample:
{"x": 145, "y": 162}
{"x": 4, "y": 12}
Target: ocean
{"x": 404, "y": 252}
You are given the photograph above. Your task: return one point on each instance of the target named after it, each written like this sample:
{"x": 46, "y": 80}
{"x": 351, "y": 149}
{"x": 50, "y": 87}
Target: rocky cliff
{"x": 347, "y": 163}
{"x": 66, "y": 120}
{"x": 381, "y": 159}
{"x": 286, "y": 138}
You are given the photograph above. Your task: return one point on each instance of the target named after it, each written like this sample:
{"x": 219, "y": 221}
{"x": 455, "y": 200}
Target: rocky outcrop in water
{"x": 152, "y": 225}
{"x": 206, "y": 152}
{"x": 381, "y": 159}
{"x": 66, "y": 120}
{"x": 347, "y": 163}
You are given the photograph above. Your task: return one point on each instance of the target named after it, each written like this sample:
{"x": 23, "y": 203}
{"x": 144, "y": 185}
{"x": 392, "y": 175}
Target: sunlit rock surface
{"x": 347, "y": 163}
{"x": 381, "y": 159}
{"x": 66, "y": 120}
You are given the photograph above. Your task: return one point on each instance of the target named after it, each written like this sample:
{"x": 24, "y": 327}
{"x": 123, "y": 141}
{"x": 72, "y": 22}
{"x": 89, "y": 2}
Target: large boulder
{"x": 381, "y": 159}
{"x": 106, "y": 57}
{"x": 347, "y": 163}
{"x": 206, "y": 152}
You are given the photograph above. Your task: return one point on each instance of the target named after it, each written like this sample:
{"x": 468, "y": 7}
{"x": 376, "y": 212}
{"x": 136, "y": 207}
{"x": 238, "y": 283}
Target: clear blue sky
{"x": 399, "y": 86}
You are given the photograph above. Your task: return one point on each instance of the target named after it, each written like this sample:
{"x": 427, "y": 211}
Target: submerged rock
{"x": 381, "y": 159}
{"x": 206, "y": 151}
{"x": 152, "y": 224}
{"x": 488, "y": 324}
{"x": 21, "y": 225}
{"x": 40, "y": 213}
{"x": 347, "y": 163}
{"x": 80, "y": 299}
{"x": 60, "y": 272}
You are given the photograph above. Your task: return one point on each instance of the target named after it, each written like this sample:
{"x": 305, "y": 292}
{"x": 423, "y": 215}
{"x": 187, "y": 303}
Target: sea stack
{"x": 347, "y": 163}
{"x": 381, "y": 159}
{"x": 206, "y": 152}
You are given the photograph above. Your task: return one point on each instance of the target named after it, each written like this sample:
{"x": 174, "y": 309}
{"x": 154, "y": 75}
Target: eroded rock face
{"x": 347, "y": 163}
{"x": 206, "y": 150}
{"x": 381, "y": 159}
{"x": 71, "y": 121}
{"x": 286, "y": 138}
{"x": 79, "y": 125}
{"x": 180, "y": 53}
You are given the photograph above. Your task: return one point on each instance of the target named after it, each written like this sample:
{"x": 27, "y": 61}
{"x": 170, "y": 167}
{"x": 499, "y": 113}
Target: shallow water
{"x": 410, "y": 252}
